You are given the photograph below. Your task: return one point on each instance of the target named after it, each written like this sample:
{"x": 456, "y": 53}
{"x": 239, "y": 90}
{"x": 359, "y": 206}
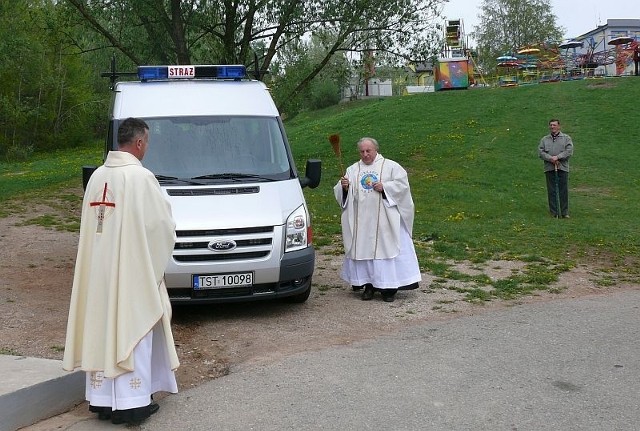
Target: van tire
{"x": 300, "y": 297}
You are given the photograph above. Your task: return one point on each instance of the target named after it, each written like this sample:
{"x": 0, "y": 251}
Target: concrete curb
{"x": 34, "y": 389}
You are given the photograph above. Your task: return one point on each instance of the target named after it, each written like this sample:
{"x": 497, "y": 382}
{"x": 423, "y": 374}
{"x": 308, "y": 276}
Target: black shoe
{"x": 389, "y": 295}
{"x": 117, "y": 417}
{"x": 104, "y": 413}
{"x": 367, "y": 295}
{"x": 134, "y": 416}
{"x": 356, "y": 288}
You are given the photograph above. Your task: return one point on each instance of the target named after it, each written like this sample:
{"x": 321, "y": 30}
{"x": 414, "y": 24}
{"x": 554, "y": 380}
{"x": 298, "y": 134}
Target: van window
{"x": 189, "y": 147}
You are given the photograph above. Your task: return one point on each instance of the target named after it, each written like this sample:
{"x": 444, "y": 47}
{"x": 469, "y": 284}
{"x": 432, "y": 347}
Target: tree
{"x": 240, "y": 31}
{"x": 295, "y": 62}
{"x": 46, "y": 100}
{"x": 508, "y": 25}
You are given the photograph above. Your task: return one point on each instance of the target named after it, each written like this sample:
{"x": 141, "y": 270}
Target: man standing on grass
{"x": 555, "y": 149}
{"x": 119, "y": 328}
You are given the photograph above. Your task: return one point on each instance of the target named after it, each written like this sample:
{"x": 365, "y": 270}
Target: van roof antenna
{"x": 113, "y": 75}
{"x": 257, "y": 72}
{"x": 255, "y": 64}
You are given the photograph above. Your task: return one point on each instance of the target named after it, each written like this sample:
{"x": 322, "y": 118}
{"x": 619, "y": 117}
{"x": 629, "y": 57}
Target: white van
{"x": 219, "y": 150}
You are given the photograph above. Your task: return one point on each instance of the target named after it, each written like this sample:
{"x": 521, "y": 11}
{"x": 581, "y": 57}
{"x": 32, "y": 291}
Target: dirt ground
{"x": 36, "y": 271}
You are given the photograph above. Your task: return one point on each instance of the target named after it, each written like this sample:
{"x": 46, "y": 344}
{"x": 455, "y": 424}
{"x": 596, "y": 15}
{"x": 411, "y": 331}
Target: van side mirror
{"x": 312, "y": 174}
{"x": 86, "y": 174}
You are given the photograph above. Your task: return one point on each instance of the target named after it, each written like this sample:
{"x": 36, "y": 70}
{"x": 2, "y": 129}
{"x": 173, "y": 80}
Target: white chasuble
{"x": 127, "y": 235}
{"x": 377, "y": 228}
{"x": 370, "y": 221}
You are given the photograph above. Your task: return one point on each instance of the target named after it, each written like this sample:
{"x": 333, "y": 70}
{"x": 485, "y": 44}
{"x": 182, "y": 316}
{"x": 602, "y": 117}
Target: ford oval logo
{"x": 222, "y": 245}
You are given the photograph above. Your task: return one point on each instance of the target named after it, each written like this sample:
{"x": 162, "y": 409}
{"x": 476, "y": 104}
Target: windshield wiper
{"x": 165, "y": 178}
{"x": 231, "y": 176}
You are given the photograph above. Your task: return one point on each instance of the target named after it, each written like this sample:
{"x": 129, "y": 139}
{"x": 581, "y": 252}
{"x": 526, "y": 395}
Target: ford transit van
{"x": 220, "y": 153}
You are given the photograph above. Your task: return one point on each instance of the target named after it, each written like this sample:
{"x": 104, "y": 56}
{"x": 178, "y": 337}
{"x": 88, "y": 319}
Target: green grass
{"x": 476, "y": 179}
{"x": 10, "y": 352}
{"x": 44, "y": 189}
{"x": 47, "y": 170}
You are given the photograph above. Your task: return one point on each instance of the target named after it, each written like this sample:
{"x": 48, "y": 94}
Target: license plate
{"x": 218, "y": 281}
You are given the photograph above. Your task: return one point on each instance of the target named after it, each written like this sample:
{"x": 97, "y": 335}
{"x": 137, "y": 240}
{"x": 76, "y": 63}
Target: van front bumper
{"x": 296, "y": 271}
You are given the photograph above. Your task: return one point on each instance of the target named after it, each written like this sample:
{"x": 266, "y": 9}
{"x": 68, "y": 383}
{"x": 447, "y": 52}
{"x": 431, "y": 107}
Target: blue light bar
{"x": 231, "y": 72}
{"x": 148, "y": 73}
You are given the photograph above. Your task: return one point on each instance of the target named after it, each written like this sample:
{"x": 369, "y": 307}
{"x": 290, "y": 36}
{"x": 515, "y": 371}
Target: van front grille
{"x": 204, "y": 245}
{"x": 217, "y": 257}
{"x": 248, "y": 244}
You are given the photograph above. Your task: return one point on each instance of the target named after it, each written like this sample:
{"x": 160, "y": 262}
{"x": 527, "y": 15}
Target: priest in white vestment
{"x": 377, "y": 224}
{"x": 119, "y": 329}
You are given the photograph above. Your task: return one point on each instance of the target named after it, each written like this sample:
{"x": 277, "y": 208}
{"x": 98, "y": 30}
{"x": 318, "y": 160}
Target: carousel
{"x": 507, "y": 68}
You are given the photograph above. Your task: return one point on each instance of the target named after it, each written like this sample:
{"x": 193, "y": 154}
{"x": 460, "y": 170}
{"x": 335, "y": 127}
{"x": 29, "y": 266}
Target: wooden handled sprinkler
{"x": 334, "y": 139}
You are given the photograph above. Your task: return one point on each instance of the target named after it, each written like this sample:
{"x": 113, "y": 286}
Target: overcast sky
{"x": 576, "y": 16}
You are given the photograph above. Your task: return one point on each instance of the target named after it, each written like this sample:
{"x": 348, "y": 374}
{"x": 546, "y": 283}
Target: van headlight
{"x": 298, "y": 230}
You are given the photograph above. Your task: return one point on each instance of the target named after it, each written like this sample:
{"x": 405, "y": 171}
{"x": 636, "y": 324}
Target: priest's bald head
{"x": 368, "y": 148}
{"x": 133, "y": 137}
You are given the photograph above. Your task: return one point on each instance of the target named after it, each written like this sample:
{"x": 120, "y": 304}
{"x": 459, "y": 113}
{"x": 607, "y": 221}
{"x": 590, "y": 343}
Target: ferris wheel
{"x": 455, "y": 42}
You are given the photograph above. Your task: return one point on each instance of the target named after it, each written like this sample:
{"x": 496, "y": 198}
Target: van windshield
{"x": 217, "y": 148}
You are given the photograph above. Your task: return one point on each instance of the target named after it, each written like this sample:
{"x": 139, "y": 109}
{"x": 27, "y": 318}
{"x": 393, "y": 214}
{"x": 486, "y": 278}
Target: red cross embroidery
{"x": 102, "y": 204}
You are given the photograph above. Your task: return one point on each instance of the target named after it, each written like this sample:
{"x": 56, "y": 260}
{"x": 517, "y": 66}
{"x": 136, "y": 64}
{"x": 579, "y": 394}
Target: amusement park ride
{"x": 454, "y": 68}
{"x": 548, "y": 62}
{"x": 544, "y": 62}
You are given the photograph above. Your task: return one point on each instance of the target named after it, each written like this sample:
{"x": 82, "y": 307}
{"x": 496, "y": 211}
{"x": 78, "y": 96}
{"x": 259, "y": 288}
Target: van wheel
{"x": 299, "y": 298}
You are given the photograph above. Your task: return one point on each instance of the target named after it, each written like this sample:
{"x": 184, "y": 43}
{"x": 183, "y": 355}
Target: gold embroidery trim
{"x": 375, "y": 250}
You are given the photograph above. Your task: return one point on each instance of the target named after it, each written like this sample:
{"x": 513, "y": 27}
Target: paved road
{"x": 560, "y": 365}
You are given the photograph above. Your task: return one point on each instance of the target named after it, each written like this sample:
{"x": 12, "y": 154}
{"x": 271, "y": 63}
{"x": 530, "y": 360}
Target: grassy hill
{"x": 475, "y": 175}
{"x": 476, "y": 178}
